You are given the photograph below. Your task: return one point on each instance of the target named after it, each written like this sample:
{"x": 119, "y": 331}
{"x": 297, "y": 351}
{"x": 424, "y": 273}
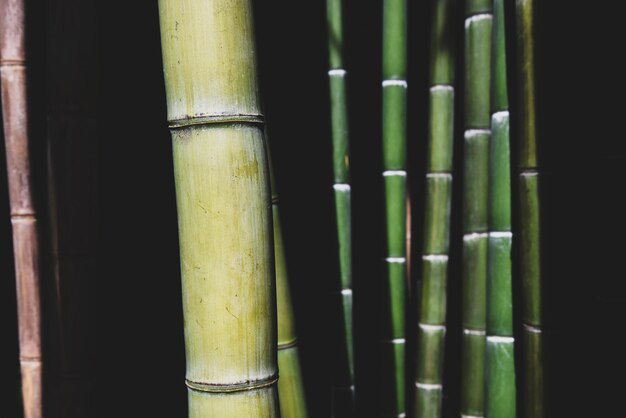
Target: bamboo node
{"x": 430, "y": 327}
{"x": 232, "y": 387}
{"x": 395, "y": 341}
{"x": 439, "y": 175}
{"x": 501, "y": 234}
{"x": 532, "y": 329}
{"x": 337, "y": 72}
{"x": 442, "y": 258}
{"x": 477, "y": 18}
{"x": 500, "y": 339}
{"x": 442, "y": 87}
{"x": 470, "y": 133}
{"x": 287, "y": 344}
{"x": 400, "y": 260}
{"x": 341, "y": 187}
{"x": 428, "y": 386}
{"x": 388, "y": 173}
{"x": 500, "y": 116}
{"x": 216, "y": 119}
{"x": 13, "y": 63}
{"x": 474, "y": 332}
{"x": 394, "y": 82}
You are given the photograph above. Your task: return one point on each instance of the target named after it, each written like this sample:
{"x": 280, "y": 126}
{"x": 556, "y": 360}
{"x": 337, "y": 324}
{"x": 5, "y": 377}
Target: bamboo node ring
{"x": 232, "y": 387}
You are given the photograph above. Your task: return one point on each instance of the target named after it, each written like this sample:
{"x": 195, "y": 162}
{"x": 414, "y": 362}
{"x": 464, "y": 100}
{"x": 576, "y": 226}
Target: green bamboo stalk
{"x": 290, "y": 385}
{"x": 500, "y": 390}
{"x": 223, "y": 199}
{"x": 342, "y": 400}
{"x": 432, "y": 314}
{"x": 26, "y": 244}
{"x": 394, "y": 164}
{"x": 478, "y": 26}
{"x": 529, "y": 211}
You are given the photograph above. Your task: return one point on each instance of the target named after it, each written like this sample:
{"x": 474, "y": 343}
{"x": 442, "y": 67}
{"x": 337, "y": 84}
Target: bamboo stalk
{"x": 342, "y": 397}
{"x": 26, "y": 246}
{"x": 478, "y": 27}
{"x": 529, "y": 211}
{"x": 71, "y": 91}
{"x": 500, "y": 390}
{"x": 290, "y": 385}
{"x": 432, "y": 314}
{"x": 223, "y": 200}
{"x": 394, "y": 164}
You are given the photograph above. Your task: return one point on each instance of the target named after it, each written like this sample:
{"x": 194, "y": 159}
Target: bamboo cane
{"x": 223, "y": 200}
{"x": 500, "y": 390}
{"x": 71, "y": 91}
{"x": 26, "y": 246}
{"x": 529, "y": 211}
{"x": 290, "y": 385}
{"x": 432, "y": 314}
{"x": 475, "y": 203}
{"x": 342, "y": 397}
{"x": 394, "y": 164}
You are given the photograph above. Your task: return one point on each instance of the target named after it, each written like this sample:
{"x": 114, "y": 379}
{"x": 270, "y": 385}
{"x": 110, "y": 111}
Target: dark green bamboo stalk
{"x": 290, "y": 384}
{"x": 529, "y": 211}
{"x": 26, "y": 243}
{"x": 394, "y": 163}
{"x": 343, "y": 370}
{"x": 478, "y": 27}
{"x": 223, "y": 200}
{"x": 432, "y": 313}
{"x": 500, "y": 391}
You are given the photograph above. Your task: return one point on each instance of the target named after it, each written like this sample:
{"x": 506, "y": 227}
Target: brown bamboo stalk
{"x": 71, "y": 88}
{"x": 23, "y": 215}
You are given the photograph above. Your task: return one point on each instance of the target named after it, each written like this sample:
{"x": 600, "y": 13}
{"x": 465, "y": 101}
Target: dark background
{"x": 140, "y": 352}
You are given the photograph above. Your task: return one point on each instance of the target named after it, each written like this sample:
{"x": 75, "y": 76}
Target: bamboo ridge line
{"x": 256, "y": 119}
{"x": 232, "y": 387}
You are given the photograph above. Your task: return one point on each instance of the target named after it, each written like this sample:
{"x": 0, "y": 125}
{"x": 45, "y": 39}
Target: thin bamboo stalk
{"x": 478, "y": 26}
{"x": 71, "y": 89}
{"x": 432, "y": 312}
{"x": 529, "y": 211}
{"x": 500, "y": 390}
{"x": 342, "y": 392}
{"x": 26, "y": 246}
{"x": 394, "y": 164}
{"x": 223, "y": 199}
{"x": 290, "y": 385}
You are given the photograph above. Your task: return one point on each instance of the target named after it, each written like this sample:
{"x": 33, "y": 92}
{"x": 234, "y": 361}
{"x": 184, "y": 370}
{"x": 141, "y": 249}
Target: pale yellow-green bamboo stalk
{"x": 290, "y": 385}
{"x": 224, "y": 210}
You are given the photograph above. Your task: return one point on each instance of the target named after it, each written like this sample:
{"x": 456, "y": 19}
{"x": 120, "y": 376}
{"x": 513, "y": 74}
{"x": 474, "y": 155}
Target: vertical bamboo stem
{"x": 290, "y": 385}
{"x": 13, "y": 67}
{"x": 394, "y": 163}
{"x": 529, "y": 211}
{"x": 500, "y": 390}
{"x": 342, "y": 402}
{"x": 71, "y": 90}
{"x": 432, "y": 314}
{"x": 223, "y": 199}
{"x": 478, "y": 25}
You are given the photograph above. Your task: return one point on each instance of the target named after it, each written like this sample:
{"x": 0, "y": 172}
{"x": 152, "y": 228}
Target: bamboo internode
{"x": 224, "y": 207}
{"x": 26, "y": 245}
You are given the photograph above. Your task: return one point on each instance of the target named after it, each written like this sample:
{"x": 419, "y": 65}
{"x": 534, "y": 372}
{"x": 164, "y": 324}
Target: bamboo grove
{"x": 240, "y": 316}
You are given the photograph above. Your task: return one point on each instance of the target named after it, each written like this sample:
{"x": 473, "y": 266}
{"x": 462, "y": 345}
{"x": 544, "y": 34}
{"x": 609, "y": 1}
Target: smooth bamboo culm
{"x": 342, "y": 391}
{"x": 26, "y": 245}
{"x": 500, "y": 390}
{"x": 432, "y": 308}
{"x": 72, "y": 132}
{"x": 224, "y": 207}
{"x": 529, "y": 211}
{"x": 395, "y": 177}
{"x": 478, "y": 26}
{"x": 290, "y": 384}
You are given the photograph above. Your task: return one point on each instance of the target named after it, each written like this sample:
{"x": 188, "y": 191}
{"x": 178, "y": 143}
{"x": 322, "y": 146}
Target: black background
{"x": 140, "y": 352}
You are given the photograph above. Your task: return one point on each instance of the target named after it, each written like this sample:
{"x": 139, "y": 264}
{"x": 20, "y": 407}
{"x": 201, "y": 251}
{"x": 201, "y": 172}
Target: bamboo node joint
{"x": 217, "y": 119}
{"x": 232, "y": 387}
